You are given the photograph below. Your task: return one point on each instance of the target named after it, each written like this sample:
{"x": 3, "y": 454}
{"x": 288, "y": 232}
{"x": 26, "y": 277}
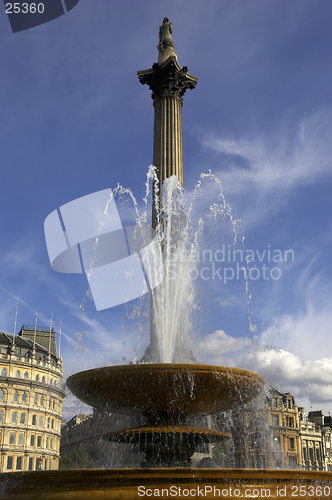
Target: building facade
{"x": 273, "y": 432}
{"x": 30, "y": 400}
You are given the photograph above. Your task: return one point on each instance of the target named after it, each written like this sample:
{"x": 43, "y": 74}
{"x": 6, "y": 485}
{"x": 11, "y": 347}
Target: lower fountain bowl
{"x": 130, "y": 484}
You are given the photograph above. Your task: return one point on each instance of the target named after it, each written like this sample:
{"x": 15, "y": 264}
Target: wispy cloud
{"x": 267, "y": 170}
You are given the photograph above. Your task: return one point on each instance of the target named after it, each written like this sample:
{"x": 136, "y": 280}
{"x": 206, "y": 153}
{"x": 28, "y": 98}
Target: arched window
{"x": 51, "y": 381}
{"x": 43, "y": 379}
{"x": 22, "y": 418}
{"x": 37, "y": 378}
{"x": 24, "y": 397}
{"x": 15, "y": 397}
{"x": 42, "y": 401}
{"x": 26, "y": 375}
{"x": 34, "y": 419}
{"x": 2, "y": 395}
{"x": 18, "y": 374}
{"x": 40, "y": 421}
{"x": 36, "y": 399}
{"x": 14, "y": 417}
{"x": 3, "y": 372}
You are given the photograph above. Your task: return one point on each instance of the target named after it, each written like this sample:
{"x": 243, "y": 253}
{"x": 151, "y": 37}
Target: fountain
{"x": 168, "y": 386}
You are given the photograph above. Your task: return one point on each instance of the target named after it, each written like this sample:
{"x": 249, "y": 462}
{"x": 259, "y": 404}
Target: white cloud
{"x": 309, "y": 381}
{"x": 274, "y": 168}
{"x": 219, "y": 343}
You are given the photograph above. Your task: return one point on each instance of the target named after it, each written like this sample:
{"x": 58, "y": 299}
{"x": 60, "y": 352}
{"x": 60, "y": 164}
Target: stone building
{"x": 284, "y": 422}
{"x": 30, "y": 400}
{"x": 84, "y": 433}
{"x": 273, "y": 432}
{"x": 316, "y": 440}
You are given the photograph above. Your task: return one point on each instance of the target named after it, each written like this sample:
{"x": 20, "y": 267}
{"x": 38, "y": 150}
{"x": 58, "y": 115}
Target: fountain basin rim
{"x": 122, "y": 484}
{"x": 194, "y": 433}
{"x": 161, "y": 389}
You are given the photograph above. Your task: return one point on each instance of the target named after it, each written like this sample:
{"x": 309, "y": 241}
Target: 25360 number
{"x": 25, "y": 8}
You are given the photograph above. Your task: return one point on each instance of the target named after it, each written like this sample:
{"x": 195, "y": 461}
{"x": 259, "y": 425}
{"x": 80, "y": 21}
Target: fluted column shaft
{"x": 167, "y": 144}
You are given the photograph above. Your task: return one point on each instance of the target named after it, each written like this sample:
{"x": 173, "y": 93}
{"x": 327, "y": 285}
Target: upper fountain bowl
{"x": 165, "y": 388}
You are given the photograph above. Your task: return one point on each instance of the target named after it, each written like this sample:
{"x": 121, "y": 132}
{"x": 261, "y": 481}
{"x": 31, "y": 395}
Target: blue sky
{"x": 75, "y": 120}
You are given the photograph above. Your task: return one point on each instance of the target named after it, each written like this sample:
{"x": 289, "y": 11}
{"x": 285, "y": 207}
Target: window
{"x": 31, "y": 459}
{"x": 43, "y": 380}
{"x": 275, "y": 420}
{"x": 52, "y": 425}
{"x": 37, "y": 378}
{"x": 1, "y": 415}
{"x": 290, "y": 421}
{"x": 276, "y": 442}
{"x": 51, "y": 381}
{"x": 34, "y": 419}
{"x": 40, "y": 421}
{"x": 12, "y": 438}
{"x": 275, "y": 402}
{"x": 24, "y": 397}
{"x": 26, "y": 375}
{"x": 32, "y": 440}
{"x": 39, "y": 441}
{"x": 3, "y": 372}
{"x": 311, "y": 454}
{"x": 47, "y": 442}
{"x": 14, "y": 417}
{"x": 53, "y": 402}
{"x": 9, "y": 462}
{"x": 51, "y": 445}
{"x": 22, "y": 418}
{"x": 318, "y": 454}
{"x": 35, "y": 401}
{"x": 18, "y": 374}
{"x": 19, "y": 463}
{"x": 48, "y": 422}
{"x": 20, "y": 439}
{"x": 292, "y": 443}
{"x": 15, "y": 397}
{"x": 42, "y": 401}
{"x": 289, "y": 404}
{"x": 305, "y": 456}
{"x": 2, "y": 395}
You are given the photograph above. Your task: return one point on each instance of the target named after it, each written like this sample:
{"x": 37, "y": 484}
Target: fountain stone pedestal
{"x": 166, "y": 394}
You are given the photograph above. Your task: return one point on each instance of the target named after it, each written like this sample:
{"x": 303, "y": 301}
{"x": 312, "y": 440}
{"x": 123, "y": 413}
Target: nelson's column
{"x": 168, "y": 83}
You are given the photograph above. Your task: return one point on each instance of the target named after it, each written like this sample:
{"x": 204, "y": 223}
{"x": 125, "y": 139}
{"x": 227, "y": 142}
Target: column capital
{"x": 167, "y": 78}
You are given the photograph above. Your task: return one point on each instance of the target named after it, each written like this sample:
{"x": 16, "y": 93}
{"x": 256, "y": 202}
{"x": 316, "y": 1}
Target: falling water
{"x": 181, "y": 235}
